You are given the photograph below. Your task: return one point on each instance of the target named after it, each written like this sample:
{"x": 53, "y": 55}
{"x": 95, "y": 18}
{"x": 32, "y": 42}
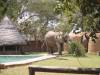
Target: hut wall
{"x": 9, "y": 49}
{"x": 93, "y": 48}
{"x": 10, "y": 53}
{"x": 34, "y": 46}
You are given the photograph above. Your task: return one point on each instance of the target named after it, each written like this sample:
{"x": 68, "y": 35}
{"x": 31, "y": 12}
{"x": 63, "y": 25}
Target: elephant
{"x": 85, "y": 40}
{"x": 55, "y": 41}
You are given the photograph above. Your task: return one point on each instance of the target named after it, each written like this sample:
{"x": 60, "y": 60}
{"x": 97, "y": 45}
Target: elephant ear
{"x": 59, "y": 37}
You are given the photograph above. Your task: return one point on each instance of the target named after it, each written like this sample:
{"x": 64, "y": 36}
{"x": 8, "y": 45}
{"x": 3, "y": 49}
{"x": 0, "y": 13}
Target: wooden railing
{"x": 72, "y": 70}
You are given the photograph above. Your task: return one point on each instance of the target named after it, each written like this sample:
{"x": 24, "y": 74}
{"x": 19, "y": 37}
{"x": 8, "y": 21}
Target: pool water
{"x": 13, "y": 58}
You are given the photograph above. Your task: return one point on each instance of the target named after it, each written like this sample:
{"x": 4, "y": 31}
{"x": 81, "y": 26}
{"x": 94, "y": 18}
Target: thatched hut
{"x": 10, "y": 38}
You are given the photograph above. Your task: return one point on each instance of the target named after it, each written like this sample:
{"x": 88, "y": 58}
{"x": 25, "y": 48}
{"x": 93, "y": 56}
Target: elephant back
{"x": 76, "y": 37}
{"x": 52, "y": 37}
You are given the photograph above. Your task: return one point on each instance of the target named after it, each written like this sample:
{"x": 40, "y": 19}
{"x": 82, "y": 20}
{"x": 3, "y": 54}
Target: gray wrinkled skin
{"x": 54, "y": 41}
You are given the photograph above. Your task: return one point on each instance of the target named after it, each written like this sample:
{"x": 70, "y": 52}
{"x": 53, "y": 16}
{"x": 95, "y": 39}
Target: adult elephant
{"x": 55, "y": 41}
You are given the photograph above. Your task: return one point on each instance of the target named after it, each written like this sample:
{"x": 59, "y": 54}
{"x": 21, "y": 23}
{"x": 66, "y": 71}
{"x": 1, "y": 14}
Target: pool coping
{"x": 24, "y": 62}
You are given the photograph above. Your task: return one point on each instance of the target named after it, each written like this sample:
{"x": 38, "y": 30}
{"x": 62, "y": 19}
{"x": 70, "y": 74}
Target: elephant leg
{"x": 50, "y": 50}
{"x": 60, "y": 48}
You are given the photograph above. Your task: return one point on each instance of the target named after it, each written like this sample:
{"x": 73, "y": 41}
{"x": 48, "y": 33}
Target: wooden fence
{"x": 35, "y": 46}
{"x": 72, "y": 70}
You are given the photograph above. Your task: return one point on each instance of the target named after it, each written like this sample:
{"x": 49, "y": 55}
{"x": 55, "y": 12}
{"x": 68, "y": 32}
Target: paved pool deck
{"x": 26, "y": 61}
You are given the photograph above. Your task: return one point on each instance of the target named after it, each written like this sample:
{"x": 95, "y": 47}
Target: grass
{"x": 60, "y": 61}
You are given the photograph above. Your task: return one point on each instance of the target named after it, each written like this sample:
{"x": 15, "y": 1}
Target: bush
{"x": 76, "y": 49}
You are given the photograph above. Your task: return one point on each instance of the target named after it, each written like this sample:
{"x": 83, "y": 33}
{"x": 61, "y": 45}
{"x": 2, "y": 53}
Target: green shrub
{"x": 76, "y": 49}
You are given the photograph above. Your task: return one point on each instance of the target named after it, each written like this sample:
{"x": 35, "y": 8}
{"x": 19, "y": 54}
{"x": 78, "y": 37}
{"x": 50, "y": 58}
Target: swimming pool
{"x": 12, "y": 60}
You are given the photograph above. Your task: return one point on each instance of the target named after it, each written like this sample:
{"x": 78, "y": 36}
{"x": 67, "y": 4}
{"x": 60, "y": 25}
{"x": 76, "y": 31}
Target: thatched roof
{"x": 9, "y": 34}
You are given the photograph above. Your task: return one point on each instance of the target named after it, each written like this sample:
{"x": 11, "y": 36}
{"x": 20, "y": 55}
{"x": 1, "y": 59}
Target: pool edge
{"x": 26, "y": 62}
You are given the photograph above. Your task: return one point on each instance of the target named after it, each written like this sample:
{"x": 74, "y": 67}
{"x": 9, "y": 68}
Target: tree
{"x": 9, "y": 7}
{"x": 70, "y": 13}
{"x": 44, "y": 8}
{"x": 46, "y": 15}
{"x": 90, "y": 10}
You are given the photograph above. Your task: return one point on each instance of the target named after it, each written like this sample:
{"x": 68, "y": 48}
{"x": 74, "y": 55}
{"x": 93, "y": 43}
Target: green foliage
{"x": 87, "y": 6}
{"x": 64, "y": 24}
{"x": 30, "y": 29}
{"x": 43, "y": 7}
{"x": 44, "y": 10}
{"x": 68, "y": 10}
{"x": 69, "y": 5}
{"x": 76, "y": 49}
{"x": 10, "y": 8}
{"x": 3, "y": 4}
{"x": 90, "y": 12}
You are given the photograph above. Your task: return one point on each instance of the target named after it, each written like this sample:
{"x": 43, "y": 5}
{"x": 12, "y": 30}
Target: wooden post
{"x": 4, "y": 49}
{"x": 73, "y": 70}
{"x": 31, "y": 72}
{"x": 16, "y": 49}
